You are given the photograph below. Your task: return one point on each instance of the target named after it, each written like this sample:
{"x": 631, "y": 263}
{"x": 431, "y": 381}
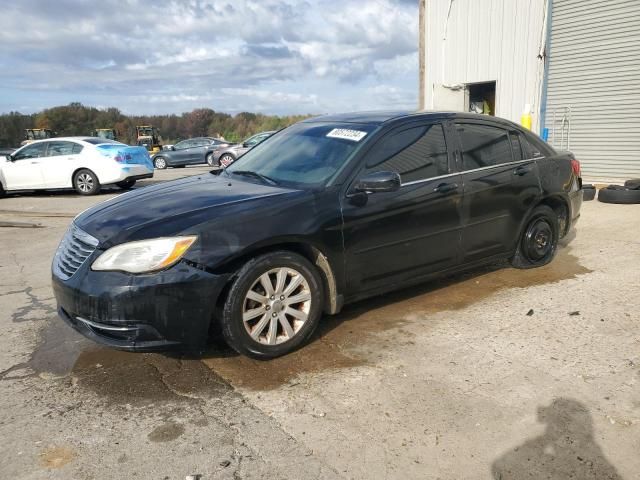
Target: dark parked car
{"x": 225, "y": 156}
{"x": 328, "y": 211}
{"x": 188, "y": 152}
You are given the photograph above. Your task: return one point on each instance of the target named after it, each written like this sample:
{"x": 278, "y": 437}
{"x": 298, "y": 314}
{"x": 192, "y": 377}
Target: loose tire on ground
{"x": 633, "y": 184}
{"x": 588, "y": 194}
{"x": 85, "y": 182}
{"x": 126, "y": 184}
{"x": 255, "y": 317}
{"x": 618, "y": 194}
{"x": 538, "y": 243}
{"x": 160, "y": 163}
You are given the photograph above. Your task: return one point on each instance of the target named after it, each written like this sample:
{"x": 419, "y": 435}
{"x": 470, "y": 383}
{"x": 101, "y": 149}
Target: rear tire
{"x": 539, "y": 241}
{"x": 160, "y": 163}
{"x": 126, "y": 184}
{"x": 85, "y": 182}
{"x": 210, "y": 160}
{"x": 262, "y": 317}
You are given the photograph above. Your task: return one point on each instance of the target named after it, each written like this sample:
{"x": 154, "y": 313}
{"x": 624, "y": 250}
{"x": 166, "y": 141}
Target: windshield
{"x": 305, "y": 154}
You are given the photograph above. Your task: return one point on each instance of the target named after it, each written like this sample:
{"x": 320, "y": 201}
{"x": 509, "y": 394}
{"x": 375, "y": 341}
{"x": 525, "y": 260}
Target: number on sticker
{"x": 347, "y": 134}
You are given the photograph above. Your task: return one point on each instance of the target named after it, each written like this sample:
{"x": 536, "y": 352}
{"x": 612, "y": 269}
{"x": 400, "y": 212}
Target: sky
{"x": 168, "y": 56}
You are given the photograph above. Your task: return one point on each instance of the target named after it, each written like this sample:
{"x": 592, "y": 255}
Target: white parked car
{"x": 82, "y": 163}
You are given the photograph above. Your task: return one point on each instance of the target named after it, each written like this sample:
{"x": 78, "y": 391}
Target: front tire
{"x": 539, "y": 241}
{"x": 226, "y": 160}
{"x": 210, "y": 160}
{"x": 273, "y": 306}
{"x": 160, "y": 163}
{"x": 85, "y": 182}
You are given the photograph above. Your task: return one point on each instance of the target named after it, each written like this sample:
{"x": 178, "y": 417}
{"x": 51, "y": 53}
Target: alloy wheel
{"x": 276, "y": 306}
{"x": 226, "y": 160}
{"x": 85, "y": 182}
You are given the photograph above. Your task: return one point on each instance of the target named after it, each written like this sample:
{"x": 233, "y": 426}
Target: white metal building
{"x": 575, "y": 63}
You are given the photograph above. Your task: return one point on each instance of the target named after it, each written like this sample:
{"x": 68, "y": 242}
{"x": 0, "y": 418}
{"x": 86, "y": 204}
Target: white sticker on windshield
{"x": 347, "y": 134}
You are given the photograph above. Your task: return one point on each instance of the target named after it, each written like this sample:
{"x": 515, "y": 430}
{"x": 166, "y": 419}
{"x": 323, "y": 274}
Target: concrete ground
{"x": 497, "y": 373}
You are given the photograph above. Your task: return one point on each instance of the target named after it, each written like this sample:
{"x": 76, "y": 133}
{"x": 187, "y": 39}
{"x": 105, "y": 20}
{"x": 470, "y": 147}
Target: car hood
{"x": 177, "y": 207}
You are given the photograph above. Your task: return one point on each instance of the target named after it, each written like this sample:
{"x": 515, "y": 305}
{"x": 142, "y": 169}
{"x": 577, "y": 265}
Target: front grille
{"x": 74, "y": 249}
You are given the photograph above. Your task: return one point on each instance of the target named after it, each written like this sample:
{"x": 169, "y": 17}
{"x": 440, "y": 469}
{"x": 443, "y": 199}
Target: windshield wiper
{"x": 251, "y": 173}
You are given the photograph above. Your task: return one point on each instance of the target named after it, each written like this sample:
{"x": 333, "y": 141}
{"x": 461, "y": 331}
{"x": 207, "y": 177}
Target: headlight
{"x": 145, "y": 255}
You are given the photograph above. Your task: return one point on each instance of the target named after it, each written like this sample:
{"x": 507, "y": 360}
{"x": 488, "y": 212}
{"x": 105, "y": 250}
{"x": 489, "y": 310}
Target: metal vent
{"x": 74, "y": 249}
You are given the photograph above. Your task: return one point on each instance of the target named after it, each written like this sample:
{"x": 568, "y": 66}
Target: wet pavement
{"x": 439, "y": 380}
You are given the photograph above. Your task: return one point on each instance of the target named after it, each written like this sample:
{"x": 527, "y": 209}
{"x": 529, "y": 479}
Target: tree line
{"x": 77, "y": 119}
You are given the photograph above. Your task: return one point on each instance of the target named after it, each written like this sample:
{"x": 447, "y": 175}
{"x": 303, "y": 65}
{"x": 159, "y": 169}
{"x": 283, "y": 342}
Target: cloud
{"x": 285, "y": 56}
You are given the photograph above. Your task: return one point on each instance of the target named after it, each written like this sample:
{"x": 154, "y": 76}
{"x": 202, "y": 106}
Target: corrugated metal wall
{"x": 469, "y": 41}
{"x": 594, "y": 69}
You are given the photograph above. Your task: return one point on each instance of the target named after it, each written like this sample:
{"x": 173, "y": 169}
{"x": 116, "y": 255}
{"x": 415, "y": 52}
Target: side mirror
{"x": 245, "y": 145}
{"x": 379, "y": 182}
{"x": 172, "y": 148}
{"x": 9, "y": 157}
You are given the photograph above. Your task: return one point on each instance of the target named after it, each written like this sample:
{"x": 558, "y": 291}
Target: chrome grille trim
{"x": 76, "y": 246}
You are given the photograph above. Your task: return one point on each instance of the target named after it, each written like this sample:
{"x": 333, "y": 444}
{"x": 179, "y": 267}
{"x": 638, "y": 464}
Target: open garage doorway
{"x": 481, "y": 97}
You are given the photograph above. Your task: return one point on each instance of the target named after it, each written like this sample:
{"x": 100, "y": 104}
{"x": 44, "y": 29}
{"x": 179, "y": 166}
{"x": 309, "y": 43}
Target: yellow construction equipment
{"x": 33, "y": 134}
{"x": 149, "y": 137}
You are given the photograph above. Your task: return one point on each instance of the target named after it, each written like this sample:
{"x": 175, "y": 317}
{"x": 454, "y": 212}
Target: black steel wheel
{"x": 539, "y": 241}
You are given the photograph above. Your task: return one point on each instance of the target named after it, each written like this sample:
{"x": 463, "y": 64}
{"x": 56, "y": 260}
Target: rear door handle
{"x": 446, "y": 188}
{"x": 523, "y": 170}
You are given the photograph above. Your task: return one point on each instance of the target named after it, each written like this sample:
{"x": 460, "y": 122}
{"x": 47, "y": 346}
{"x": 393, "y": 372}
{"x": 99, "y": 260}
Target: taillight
{"x": 575, "y": 166}
{"x": 122, "y": 159}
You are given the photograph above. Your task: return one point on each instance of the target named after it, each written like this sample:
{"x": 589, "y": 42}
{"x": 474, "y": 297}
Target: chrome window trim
{"x": 501, "y": 165}
{"x": 415, "y": 182}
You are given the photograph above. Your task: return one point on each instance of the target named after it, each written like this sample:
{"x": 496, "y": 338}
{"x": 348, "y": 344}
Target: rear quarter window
{"x": 536, "y": 147}
{"x": 483, "y": 145}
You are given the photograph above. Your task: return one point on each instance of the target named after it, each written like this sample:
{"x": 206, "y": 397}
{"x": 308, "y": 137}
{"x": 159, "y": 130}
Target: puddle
{"x": 142, "y": 378}
{"x": 342, "y": 341}
{"x": 341, "y": 336}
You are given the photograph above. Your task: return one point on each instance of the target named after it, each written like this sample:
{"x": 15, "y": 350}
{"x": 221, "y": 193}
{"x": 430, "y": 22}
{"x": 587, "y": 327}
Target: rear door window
{"x": 415, "y": 153}
{"x": 483, "y": 145}
{"x": 57, "y": 149}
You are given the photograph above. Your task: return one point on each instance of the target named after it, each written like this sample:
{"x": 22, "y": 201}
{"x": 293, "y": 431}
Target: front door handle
{"x": 523, "y": 170}
{"x": 446, "y": 188}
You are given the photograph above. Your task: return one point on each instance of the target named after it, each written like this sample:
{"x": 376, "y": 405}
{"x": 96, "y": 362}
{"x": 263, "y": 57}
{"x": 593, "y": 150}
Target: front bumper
{"x": 161, "y": 311}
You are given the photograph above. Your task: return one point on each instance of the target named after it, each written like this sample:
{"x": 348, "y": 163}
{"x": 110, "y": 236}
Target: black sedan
{"x": 188, "y": 152}
{"x": 328, "y": 211}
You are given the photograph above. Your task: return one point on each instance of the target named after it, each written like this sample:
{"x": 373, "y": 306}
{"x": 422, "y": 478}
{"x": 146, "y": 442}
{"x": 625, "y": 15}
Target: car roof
{"x": 387, "y": 116}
